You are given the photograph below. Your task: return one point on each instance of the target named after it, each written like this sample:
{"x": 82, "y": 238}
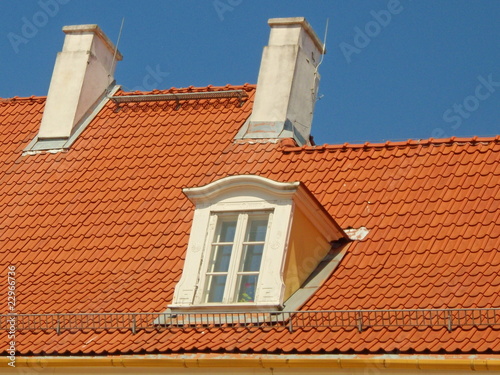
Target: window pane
{"x": 252, "y": 256}
{"x": 220, "y": 258}
{"x": 246, "y": 288}
{"x": 256, "y": 230}
{"x": 236, "y": 256}
{"x": 216, "y": 286}
{"x": 226, "y": 232}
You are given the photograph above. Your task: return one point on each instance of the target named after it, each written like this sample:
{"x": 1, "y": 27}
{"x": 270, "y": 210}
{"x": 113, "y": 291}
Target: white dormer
{"x": 249, "y": 238}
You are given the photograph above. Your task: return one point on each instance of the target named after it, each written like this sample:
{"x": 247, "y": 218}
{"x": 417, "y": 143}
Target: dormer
{"x": 249, "y": 240}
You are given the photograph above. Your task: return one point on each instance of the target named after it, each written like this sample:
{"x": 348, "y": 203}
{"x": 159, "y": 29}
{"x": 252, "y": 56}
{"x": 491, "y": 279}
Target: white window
{"x": 235, "y": 258}
{"x": 238, "y": 255}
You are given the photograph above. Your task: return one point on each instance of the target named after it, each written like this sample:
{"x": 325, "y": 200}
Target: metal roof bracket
{"x": 241, "y": 95}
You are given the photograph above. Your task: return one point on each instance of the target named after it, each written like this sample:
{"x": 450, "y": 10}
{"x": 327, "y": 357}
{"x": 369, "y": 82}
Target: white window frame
{"x": 235, "y": 194}
{"x": 234, "y": 272}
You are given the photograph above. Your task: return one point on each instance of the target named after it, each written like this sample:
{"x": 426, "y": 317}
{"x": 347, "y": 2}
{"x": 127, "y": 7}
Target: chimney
{"x": 82, "y": 73}
{"x": 287, "y": 84}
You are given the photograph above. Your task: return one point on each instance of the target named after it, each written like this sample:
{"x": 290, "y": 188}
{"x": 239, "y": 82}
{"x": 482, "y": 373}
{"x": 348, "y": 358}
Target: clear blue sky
{"x": 394, "y": 70}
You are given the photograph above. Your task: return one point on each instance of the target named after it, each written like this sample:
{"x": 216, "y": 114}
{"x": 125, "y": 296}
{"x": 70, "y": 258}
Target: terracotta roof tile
{"x": 103, "y": 227}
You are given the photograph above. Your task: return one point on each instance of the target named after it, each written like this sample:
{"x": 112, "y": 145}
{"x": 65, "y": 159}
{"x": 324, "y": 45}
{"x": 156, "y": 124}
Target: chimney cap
{"x": 298, "y": 21}
{"x": 93, "y": 28}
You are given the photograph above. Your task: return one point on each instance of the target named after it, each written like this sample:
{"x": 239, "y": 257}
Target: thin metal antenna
{"x": 116, "y": 48}
{"x": 324, "y": 44}
{"x": 314, "y": 94}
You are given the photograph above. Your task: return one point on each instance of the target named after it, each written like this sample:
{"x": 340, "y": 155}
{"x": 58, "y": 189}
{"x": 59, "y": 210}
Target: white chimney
{"x": 82, "y": 73}
{"x": 287, "y": 84}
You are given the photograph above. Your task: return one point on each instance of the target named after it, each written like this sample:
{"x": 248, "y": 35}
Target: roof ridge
{"x": 288, "y": 147}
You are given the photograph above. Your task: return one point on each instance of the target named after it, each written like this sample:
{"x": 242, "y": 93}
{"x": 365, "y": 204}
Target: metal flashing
{"x": 315, "y": 280}
{"x": 39, "y": 145}
{"x": 253, "y": 130}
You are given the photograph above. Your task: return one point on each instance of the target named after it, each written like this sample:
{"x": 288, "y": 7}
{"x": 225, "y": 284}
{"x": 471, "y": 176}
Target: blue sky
{"x": 394, "y": 70}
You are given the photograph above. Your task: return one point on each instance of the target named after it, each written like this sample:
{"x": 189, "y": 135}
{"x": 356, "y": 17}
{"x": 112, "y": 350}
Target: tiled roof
{"x": 103, "y": 227}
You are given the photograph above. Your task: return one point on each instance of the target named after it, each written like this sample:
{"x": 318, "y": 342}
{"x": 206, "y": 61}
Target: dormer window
{"x": 249, "y": 240}
{"x": 233, "y": 267}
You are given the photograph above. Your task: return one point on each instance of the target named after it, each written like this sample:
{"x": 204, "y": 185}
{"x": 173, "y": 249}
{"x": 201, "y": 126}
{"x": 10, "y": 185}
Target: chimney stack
{"x": 287, "y": 84}
{"x": 82, "y": 73}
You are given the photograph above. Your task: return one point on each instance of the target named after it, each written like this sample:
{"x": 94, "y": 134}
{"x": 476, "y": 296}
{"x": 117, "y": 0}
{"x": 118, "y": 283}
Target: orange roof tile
{"x": 103, "y": 227}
